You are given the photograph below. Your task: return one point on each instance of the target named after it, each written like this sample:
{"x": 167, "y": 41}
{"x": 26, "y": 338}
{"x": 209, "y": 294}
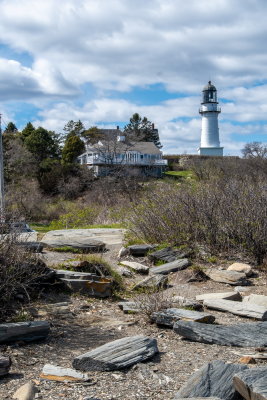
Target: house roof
{"x": 114, "y": 146}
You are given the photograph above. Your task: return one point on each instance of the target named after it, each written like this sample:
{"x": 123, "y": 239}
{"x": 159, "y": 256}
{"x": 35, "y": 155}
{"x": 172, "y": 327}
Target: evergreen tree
{"x": 27, "y": 131}
{"x": 76, "y": 128}
{"x": 73, "y": 147}
{"x": 93, "y": 135}
{"x": 11, "y": 128}
{"x": 142, "y": 130}
{"x": 42, "y": 144}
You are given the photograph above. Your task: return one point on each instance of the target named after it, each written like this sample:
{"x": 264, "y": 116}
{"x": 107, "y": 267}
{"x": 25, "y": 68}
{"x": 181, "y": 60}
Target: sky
{"x": 100, "y": 61}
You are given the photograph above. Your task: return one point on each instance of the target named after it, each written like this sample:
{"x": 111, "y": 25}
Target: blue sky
{"x": 102, "y": 61}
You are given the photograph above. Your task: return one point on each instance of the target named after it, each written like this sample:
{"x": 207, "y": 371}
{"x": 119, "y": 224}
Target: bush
{"x": 225, "y": 215}
{"x": 78, "y": 218}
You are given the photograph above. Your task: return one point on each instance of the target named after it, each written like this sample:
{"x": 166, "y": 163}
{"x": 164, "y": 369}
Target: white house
{"x": 115, "y": 152}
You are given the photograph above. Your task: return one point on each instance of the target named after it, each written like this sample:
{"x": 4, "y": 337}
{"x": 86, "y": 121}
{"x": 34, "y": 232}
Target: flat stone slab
{"x": 23, "y": 331}
{"x": 234, "y": 296}
{"x": 171, "y": 315}
{"x": 65, "y": 274}
{"x": 185, "y": 302}
{"x": 5, "y": 364}
{"x": 174, "y": 266}
{"x": 169, "y": 254}
{"x": 230, "y": 277}
{"x": 129, "y": 307}
{"x": 135, "y": 266}
{"x": 240, "y": 335}
{"x": 54, "y": 373}
{"x": 116, "y": 355}
{"x": 257, "y": 299}
{"x": 152, "y": 282}
{"x": 252, "y": 383}
{"x": 241, "y": 267}
{"x": 139, "y": 250}
{"x": 246, "y": 309}
{"x": 213, "y": 379}
{"x": 26, "y": 392}
{"x": 95, "y": 288}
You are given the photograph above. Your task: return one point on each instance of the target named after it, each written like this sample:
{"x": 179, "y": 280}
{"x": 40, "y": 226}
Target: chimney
{"x": 153, "y": 126}
{"x": 118, "y": 127}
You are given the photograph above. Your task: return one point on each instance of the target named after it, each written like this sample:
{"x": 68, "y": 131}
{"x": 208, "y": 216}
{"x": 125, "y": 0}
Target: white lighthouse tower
{"x": 209, "y": 109}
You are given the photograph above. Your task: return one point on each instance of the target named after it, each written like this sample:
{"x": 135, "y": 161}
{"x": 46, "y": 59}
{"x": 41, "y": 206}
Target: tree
{"x": 73, "y": 147}
{"x": 42, "y": 144}
{"x": 93, "y": 135}
{"x": 27, "y": 131}
{"x": 254, "y": 150}
{"x": 11, "y": 128}
{"x": 73, "y": 127}
{"x": 142, "y": 130}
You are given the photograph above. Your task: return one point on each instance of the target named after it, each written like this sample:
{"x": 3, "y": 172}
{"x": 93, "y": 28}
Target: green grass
{"x": 179, "y": 174}
{"x": 42, "y": 228}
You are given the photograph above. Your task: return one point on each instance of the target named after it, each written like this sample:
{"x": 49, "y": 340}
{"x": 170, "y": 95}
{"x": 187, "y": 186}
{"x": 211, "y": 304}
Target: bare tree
{"x": 254, "y": 150}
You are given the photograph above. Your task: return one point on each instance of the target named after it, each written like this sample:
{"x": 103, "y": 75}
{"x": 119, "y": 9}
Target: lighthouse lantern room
{"x": 209, "y": 110}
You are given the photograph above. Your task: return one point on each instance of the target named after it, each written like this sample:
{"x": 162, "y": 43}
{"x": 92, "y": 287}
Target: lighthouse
{"x": 209, "y": 110}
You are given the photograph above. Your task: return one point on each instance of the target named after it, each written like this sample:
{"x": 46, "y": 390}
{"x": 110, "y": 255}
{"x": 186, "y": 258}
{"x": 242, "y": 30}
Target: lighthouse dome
{"x": 209, "y": 86}
{"x": 209, "y": 93}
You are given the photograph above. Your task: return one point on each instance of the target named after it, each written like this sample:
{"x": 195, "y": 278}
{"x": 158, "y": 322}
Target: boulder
{"x": 169, "y": 254}
{"x": 135, "y": 266}
{"x": 26, "y": 392}
{"x": 257, "y": 299}
{"x": 252, "y": 383}
{"x": 139, "y": 250}
{"x": 174, "y": 266}
{"x": 213, "y": 379}
{"x": 241, "y": 267}
{"x": 246, "y": 309}
{"x": 116, "y": 355}
{"x": 240, "y": 335}
{"x": 102, "y": 287}
{"x": 152, "y": 282}
{"x": 23, "y": 331}
{"x": 169, "y": 316}
{"x": 230, "y": 277}
{"x": 125, "y": 272}
{"x": 124, "y": 251}
{"x": 55, "y": 373}
{"x": 5, "y": 364}
{"x": 234, "y": 296}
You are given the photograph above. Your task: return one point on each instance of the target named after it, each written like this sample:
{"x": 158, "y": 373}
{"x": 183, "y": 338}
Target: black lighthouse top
{"x": 209, "y": 93}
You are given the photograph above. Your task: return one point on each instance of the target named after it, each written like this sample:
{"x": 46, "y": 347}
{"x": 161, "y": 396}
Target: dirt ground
{"x": 84, "y": 324}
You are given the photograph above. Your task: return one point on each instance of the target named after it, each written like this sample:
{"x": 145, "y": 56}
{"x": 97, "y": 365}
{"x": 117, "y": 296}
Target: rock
{"x": 25, "y": 331}
{"x": 247, "y": 360}
{"x": 248, "y": 310}
{"x": 234, "y": 296}
{"x": 199, "y": 398}
{"x": 241, "y": 267}
{"x": 152, "y": 282}
{"x": 213, "y": 379}
{"x": 240, "y": 335}
{"x": 184, "y": 302}
{"x": 129, "y": 307}
{"x": 26, "y": 392}
{"x": 102, "y": 287}
{"x": 230, "y": 277}
{"x": 124, "y": 251}
{"x": 125, "y": 272}
{"x": 169, "y": 254}
{"x": 139, "y": 250}
{"x": 55, "y": 373}
{"x": 5, "y": 364}
{"x": 242, "y": 289}
{"x": 81, "y": 239}
{"x": 169, "y": 316}
{"x": 252, "y": 383}
{"x": 258, "y": 299}
{"x": 135, "y": 266}
{"x": 119, "y": 354}
{"x": 65, "y": 274}
{"x": 174, "y": 266}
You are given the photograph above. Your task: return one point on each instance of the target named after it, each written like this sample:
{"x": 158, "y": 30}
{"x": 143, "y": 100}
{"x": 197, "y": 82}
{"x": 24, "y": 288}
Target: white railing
{"x": 119, "y": 161}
